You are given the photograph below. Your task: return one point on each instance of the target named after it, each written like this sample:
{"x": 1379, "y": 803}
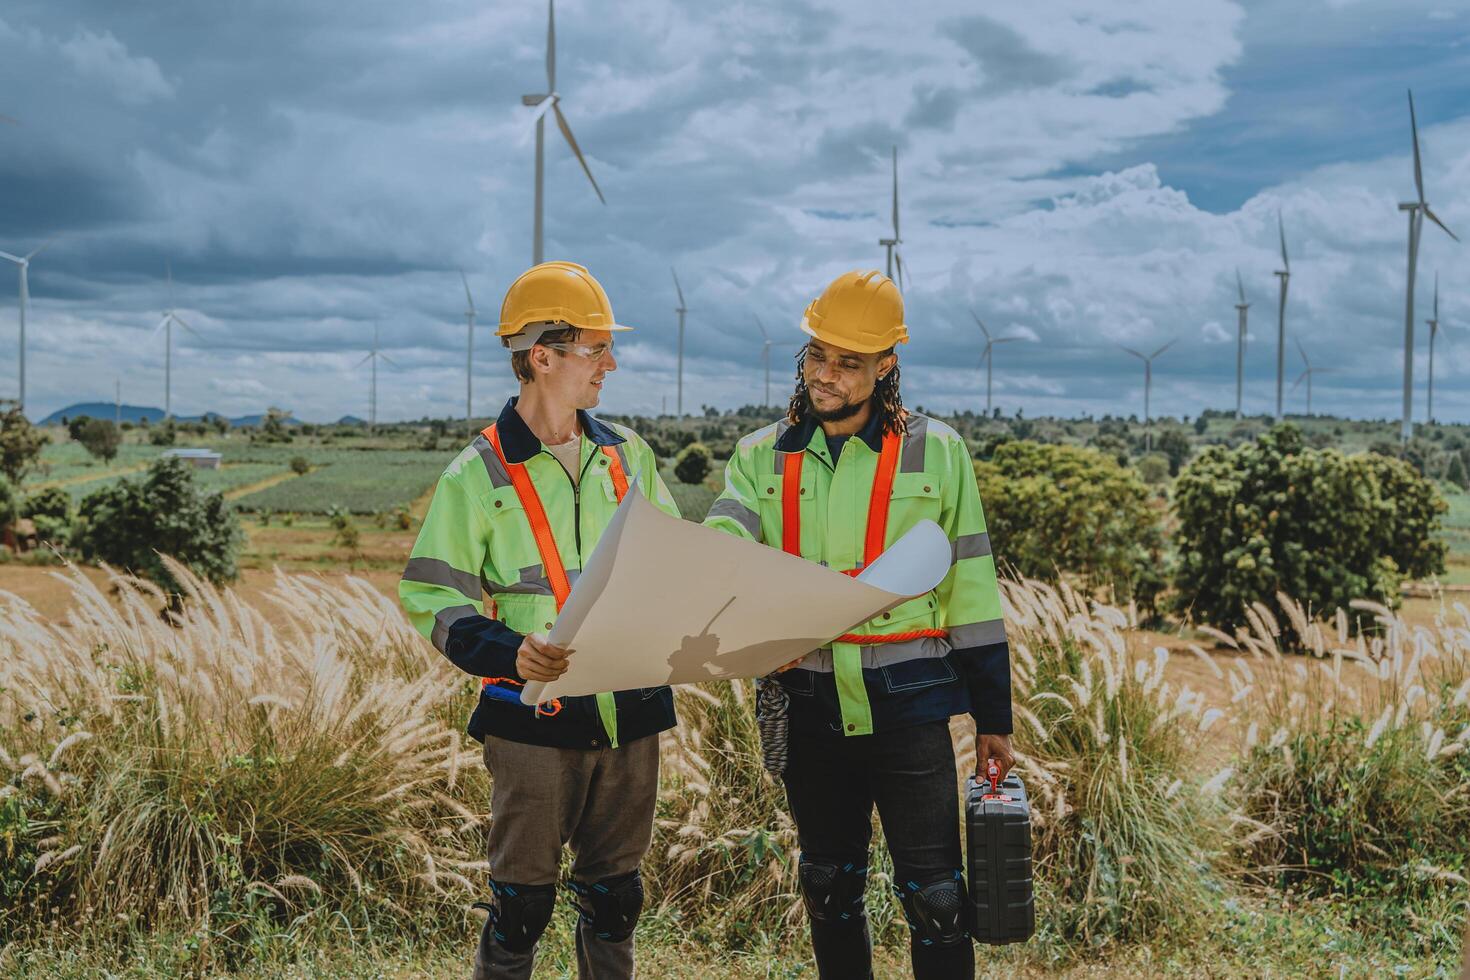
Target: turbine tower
{"x": 987, "y": 357}
{"x": 469, "y": 355}
{"x": 373, "y": 356}
{"x": 23, "y": 265}
{"x": 1284, "y": 273}
{"x": 681, "y": 310}
{"x": 1148, "y": 385}
{"x": 1418, "y": 211}
{"x": 1306, "y": 375}
{"x": 891, "y": 244}
{"x": 1433, "y": 333}
{"x": 552, "y": 101}
{"x": 766, "y": 346}
{"x": 1240, "y": 309}
{"x": 170, "y": 317}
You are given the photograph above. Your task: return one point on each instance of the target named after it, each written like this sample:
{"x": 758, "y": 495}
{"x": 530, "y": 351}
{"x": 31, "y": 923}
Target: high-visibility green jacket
{"x": 475, "y": 585}
{"x": 855, "y": 688}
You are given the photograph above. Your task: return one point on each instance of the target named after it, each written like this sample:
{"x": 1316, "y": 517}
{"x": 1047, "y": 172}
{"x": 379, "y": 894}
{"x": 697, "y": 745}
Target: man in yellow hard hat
{"x": 864, "y": 721}
{"x": 512, "y": 520}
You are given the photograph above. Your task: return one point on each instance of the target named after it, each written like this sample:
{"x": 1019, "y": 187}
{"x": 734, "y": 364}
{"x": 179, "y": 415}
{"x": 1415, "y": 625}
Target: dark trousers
{"x": 832, "y": 784}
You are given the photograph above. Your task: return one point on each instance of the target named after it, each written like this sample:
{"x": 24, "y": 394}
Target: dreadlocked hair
{"x": 887, "y": 402}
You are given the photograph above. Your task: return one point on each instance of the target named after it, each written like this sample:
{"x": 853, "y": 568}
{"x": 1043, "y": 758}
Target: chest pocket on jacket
{"x": 915, "y": 498}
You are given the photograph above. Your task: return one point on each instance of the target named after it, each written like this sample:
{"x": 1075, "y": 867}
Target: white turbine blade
{"x": 765, "y": 336}
{"x": 677, "y": 288}
{"x": 1162, "y": 349}
{"x": 895, "y": 195}
{"x": 566, "y": 131}
{"x": 1418, "y": 168}
{"x": 985, "y": 353}
{"x": 1302, "y": 351}
{"x": 48, "y": 243}
{"x": 1436, "y": 296}
{"x": 1134, "y": 353}
{"x": 551, "y": 45}
{"x": 367, "y": 358}
{"x": 1435, "y": 218}
{"x": 1281, "y": 226}
{"x": 162, "y": 323}
{"x": 1299, "y": 379}
{"x": 389, "y": 360}
{"x": 180, "y": 321}
{"x": 467, "y": 297}
{"x": 1006, "y": 340}
{"x": 1241, "y": 287}
{"x": 898, "y": 267}
{"x": 14, "y": 258}
{"x": 981, "y": 325}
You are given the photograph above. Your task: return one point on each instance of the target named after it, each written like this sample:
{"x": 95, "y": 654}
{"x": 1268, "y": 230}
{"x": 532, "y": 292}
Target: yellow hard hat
{"x": 859, "y": 311}
{"x": 555, "y": 292}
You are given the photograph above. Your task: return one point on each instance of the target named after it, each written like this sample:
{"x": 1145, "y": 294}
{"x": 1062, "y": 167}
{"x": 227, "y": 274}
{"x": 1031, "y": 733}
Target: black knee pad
{"x": 833, "y": 890}
{"x": 520, "y": 914}
{"x": 610, "y": 906}
{"x": 936, "y": 910}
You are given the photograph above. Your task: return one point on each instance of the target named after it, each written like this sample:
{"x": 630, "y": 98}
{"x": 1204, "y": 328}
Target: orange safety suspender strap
{"x": 551, "y": 563}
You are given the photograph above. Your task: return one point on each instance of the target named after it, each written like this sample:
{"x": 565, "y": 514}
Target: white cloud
{"x": 134, "y": 80}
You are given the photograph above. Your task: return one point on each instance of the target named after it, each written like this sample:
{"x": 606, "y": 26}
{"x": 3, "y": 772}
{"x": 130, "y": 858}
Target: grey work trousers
{"x": 600, "y": 801}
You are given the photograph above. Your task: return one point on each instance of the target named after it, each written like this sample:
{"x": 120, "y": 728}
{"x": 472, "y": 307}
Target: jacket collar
{"x": 519, "y": 443}
{"x": 797, "y": 437}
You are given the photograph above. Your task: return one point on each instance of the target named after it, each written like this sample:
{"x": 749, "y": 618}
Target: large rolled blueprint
{"x": 668, "y": 601}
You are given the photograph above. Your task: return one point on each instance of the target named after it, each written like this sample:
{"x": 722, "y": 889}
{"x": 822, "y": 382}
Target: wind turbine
{"x": 170, "y": 317}
{"x": 551, "y": 100}
{"x": 23, "y": 264}
{"x": 891, "y": 244}
{"x": 987, "y": 358}
{"x": 373, "y": 356}
{"x": 1433, "y": 333}
{"x": 1418, "y": 211}
{"x": 1240, "y": 309}
{"x": 469, "y": 354}
{"x": 681, "y": 310}
{"x": 766, "y": 357}
{"x": 1284, "y": 273}
{"x": 1306, "y": 375}
{"x": 1148, "y": 385}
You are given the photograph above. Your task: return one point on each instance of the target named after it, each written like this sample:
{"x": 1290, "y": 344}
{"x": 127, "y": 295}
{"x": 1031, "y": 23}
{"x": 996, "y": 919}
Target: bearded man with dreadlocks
{"x": 864, "y": 721}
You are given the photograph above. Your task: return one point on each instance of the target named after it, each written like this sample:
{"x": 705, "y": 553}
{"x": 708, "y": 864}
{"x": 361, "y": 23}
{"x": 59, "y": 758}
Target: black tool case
{"x": 998, "y": 832}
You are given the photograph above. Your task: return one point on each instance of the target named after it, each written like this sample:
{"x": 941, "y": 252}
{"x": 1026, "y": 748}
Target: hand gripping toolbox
{"x": 998, "y": 832}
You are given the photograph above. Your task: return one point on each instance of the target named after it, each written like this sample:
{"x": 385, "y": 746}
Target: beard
{"x": 841, "y": 413}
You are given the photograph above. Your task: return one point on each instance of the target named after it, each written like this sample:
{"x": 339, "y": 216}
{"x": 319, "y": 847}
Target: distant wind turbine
{"x": 552, "y": 101}
{"x": 1240, "y": 309}
{"x": 1284, "y": 273}
{"x": 891, "y": 244}
{"x": 1434, "y": 326}
{"x": 766, "y": 345}
{"x": 170, "y": 317}
{"x": 469, "y": 355}
{"x": 1418, "y": 211}
{"x": 373, "y": 356}
{"x": 987, "y": 357}
{"x": 23, "y": 265}
{"x": 681, "y": 310}
{"x": 1307, "y": 375}
{"x": 1148, "y": 384}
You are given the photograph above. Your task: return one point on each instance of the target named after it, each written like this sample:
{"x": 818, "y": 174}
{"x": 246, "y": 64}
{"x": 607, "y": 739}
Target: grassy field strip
{"x": 265, "y": 484}
{"x": 89, "y": 477}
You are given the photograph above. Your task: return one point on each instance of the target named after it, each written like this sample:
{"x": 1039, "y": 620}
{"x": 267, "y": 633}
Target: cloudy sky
{"x": 1081, "y": 175}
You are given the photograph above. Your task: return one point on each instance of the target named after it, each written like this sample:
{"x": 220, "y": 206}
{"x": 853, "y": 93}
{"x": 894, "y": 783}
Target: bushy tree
{"x": 1324, "y": 528}
{"x": 1052, "y": 508}
{"x": 693, "y": 463}
{"x": 1176, "y": 447}
{"x": 1455, "y": 473}
{"x": 1153, "y": 469}
{"x": 99, "y": 438}
{"x": 129, "y": 523}
{"x": 9, "y": 504}
{"x": 52, "y": 502}
{"x": 20, "y": 445}
{"x": 74, "y": 426}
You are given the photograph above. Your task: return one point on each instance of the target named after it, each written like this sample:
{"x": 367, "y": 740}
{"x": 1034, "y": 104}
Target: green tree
{"x": 128, "y": 524}
{"x": 74, "y": 426}
{"x": 693, "y": 463}
{"x": 300, "y": 465}
{"x": 1175, "y": 445}
{"x": 1060, "y": 508}
{"x": 1322, "y": 527}
{"x": 20, "y": 445}
{"x": 1455, "y": 473}
{"x": 99, "y": 438}
{"x": 1153, "y": 469}
{"x": 9, "y": 504}
{"x": 52, "y": 502}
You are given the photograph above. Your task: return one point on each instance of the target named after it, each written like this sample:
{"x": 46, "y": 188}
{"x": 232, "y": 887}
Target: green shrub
{"x": 1176, "y": 447}
{"x": 1058, "y": 508}
{"x": 693, "y": 463}
{"x": 52, "y": 502}
{"x": 165, "y": 435}
{"x": 128, "y": 524}
{"x": 1455, "y": 473}
{"x": 9, "y": 505}
{"x": 20, "y": 445}
{"x": 100, "y": 438}
{"x": 300, "y": 465}
{"x": 1275, "y": 517}
{"x": 1153, "y": 469}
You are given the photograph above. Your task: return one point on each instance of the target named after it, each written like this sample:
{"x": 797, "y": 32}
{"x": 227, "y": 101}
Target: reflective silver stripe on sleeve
{"x": 434, "y": 571}
{"x": 883, "y": 654}
{"x": 912, "y": 458}
{"x": 446, "y": 618}
{"x": 628, "y": 473}
{"x": 969, "y": 546}
{"x": 499, "y": 477}
{"x": 978, "y": 634}
{"x": 739, "y": 513}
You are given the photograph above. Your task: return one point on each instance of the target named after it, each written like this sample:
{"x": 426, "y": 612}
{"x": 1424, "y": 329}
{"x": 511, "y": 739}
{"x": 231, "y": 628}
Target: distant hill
{"x": 351, "y": 420}
{"x": 137, "y": 413}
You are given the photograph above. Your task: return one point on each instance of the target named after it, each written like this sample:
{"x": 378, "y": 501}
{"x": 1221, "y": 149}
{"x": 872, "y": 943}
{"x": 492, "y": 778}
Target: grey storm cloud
{"x": 310, "y": 169}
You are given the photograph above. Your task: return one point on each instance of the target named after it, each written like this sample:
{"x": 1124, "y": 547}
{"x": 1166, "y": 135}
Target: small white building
{"x": 200, "y": 459}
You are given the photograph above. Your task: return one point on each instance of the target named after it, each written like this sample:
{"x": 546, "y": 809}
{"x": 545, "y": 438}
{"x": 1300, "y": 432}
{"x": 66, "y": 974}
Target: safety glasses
{"x": 593, "y": 352}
